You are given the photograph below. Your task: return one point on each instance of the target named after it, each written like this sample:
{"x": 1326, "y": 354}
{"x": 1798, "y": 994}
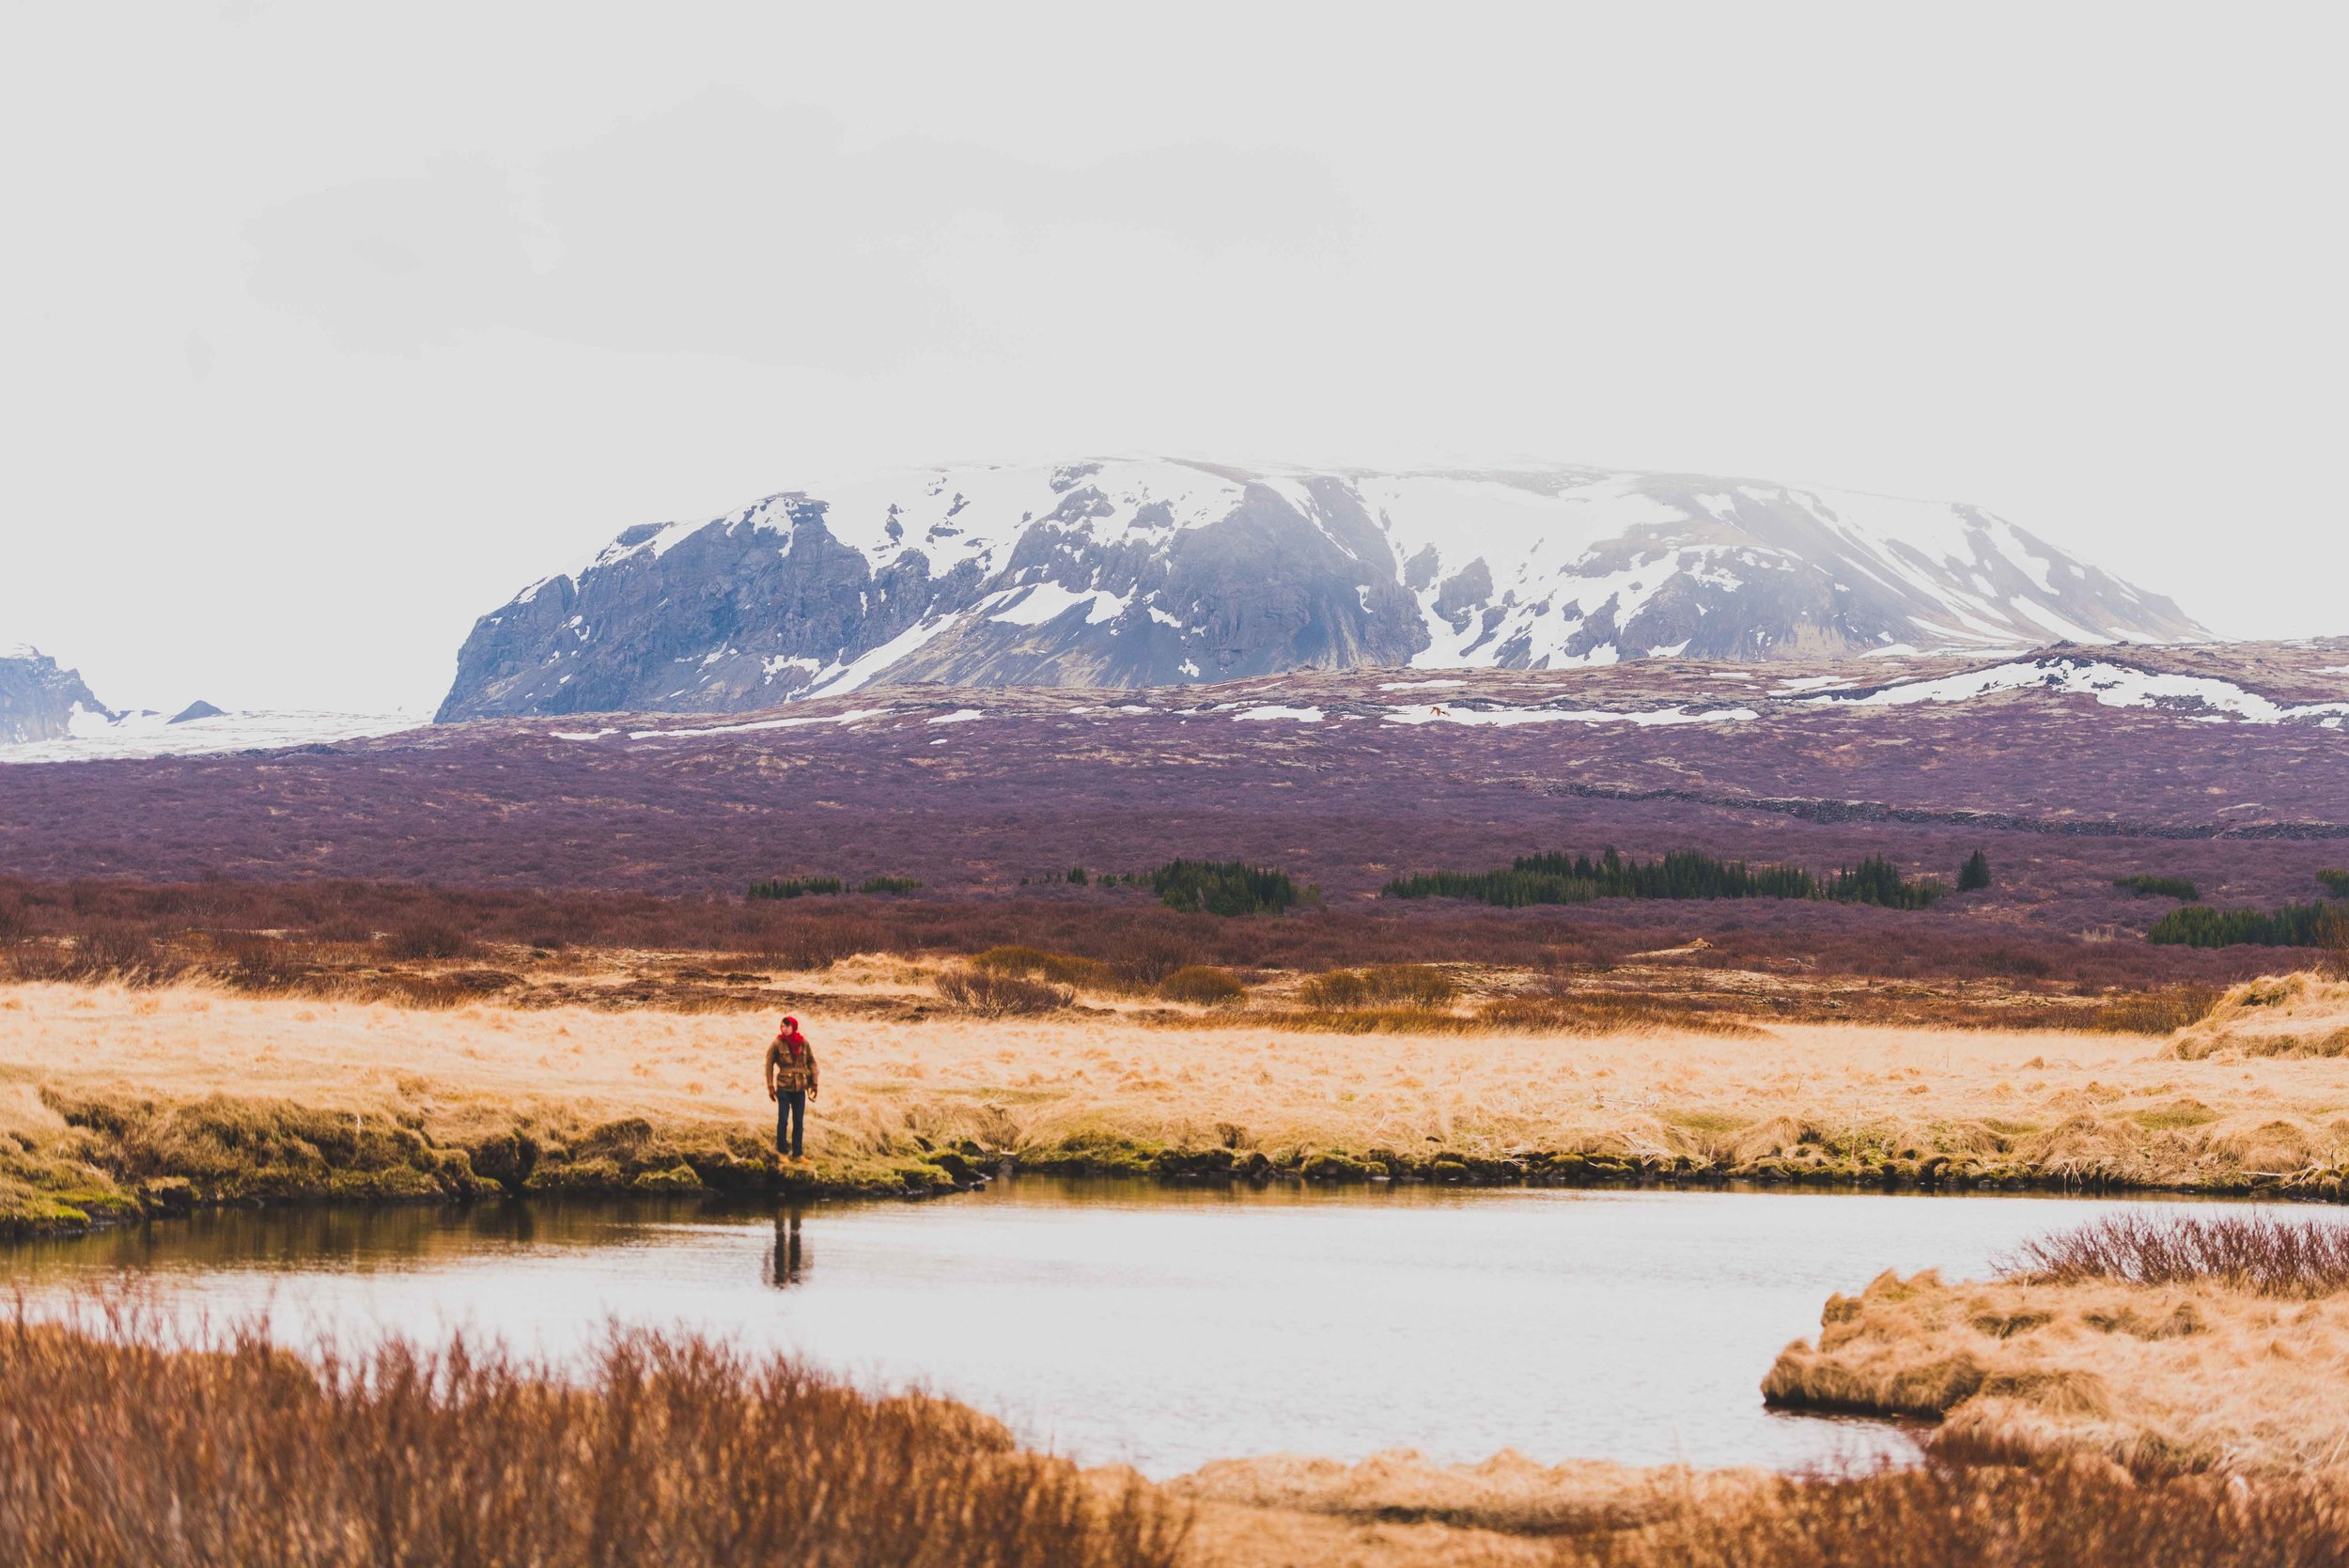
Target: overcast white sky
{"x": 329, "y": 326}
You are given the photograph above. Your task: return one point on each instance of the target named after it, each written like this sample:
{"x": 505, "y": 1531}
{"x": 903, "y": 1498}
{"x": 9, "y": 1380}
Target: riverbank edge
{"x": 119, "y": 1161}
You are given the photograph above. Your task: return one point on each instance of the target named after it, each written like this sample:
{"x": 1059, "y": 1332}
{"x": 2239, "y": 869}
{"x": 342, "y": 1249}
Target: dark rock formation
{"x": 38, "y": 700}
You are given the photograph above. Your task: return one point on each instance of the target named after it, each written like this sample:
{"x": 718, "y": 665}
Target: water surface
{"x": 1155, "y": 1327}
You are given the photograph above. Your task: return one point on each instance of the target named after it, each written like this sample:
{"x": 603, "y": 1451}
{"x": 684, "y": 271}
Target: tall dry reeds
{"x": 2256, "y": 1252}
{"x": 120, "y": 1445}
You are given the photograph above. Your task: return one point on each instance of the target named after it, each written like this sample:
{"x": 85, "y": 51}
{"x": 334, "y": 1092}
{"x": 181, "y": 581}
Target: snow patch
{"x": 842, "y": 680}
{"x": 2111, "y": 685}
{"x": 854, "y": 715}
{"x": 1434, "y": 714}
{"x": 1048, "y": 601}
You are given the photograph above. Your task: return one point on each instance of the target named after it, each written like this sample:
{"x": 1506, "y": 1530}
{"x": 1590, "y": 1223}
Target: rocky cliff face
{"x": 38, "y": 701}
{"x": 1148, "y": 572}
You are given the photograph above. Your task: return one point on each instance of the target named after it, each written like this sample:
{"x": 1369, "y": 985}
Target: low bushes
{"x": 2159, "y": 886}
{"x": 820, "y": 944}
{"x": 1610, "y": 1014}
{"x": 778, "y": 887}
{"x": 793, "y": 886}
{"x": 1680, "y": 874}
{"x": 99, "y": 951}
{"x": 1382, "y": 985}
{"x": 1057, "y": 969}
{"x": 1228, "y": 887}
{"x": 428, "y": 939}
{"x": 2292, "y": 925}
{"x": 2156, "y": 1012}
{"x": 73, "y": 931}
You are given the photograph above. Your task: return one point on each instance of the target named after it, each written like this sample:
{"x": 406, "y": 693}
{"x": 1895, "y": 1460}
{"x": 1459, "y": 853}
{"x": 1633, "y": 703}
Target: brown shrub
{"x": 1142, "y": 956}
{"x": 670, "y": 1450}
{"x": 997, "y": 996}
{"x": 820, "y": 943}
{"x": 2160, "y": 1012}
{"x": 261, "y": 964}
{"x": 101, "y": 951}
{"x": 1204, "y": 986}
{"x": 1368, "y": 1020}
{"x": 424, "y": 939}
{"x": 1381, "y": 986}
{"x": 1058, "y": 969}
{"x": 1611, "y": 1013}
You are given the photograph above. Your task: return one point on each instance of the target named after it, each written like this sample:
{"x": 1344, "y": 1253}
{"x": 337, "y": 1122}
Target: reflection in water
{"x": 1156, "y": 1326}
{"x": 785, "y": 1263}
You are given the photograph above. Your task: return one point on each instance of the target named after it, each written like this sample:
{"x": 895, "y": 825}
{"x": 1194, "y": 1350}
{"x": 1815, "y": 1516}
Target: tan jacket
{"x": 787, "y": 1070}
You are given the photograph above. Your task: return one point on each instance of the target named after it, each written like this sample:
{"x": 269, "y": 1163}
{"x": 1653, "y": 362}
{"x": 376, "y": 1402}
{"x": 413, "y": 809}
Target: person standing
{"x": 790, "y": 1083}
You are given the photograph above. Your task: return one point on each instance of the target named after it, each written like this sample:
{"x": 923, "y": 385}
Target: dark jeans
{"x": 790, "y": 1113}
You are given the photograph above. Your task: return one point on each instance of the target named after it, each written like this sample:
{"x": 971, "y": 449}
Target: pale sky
{"x": 330, "y": 326}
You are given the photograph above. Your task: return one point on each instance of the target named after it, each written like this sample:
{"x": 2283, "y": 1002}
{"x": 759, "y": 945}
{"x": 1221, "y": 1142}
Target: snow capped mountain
{"x": 38, "y": 701}
{"x": 1150, "y": 571}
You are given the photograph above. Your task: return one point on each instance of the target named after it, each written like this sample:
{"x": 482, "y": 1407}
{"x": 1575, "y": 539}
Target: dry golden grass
{"x": 1792, "y": 1101}
{"x": 1507, "y": 1494}
{"x": 2078, "y": 1513}
{"x": 2156, "y": 1378}
{"x": 2293, "y": 1014}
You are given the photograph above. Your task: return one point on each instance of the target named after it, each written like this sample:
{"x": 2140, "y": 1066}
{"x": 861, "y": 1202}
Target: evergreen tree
{"x": 1975, "y": 874}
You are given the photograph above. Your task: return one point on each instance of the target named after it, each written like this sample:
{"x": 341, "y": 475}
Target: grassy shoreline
{"x": 145, "y": 1161}
{"x": 117, "y": 1102}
